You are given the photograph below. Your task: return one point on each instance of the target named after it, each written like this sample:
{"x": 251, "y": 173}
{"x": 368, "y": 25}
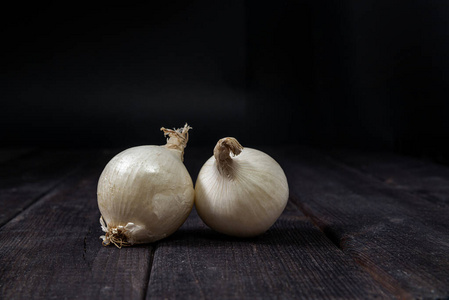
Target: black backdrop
{"x": 370, "y": 74}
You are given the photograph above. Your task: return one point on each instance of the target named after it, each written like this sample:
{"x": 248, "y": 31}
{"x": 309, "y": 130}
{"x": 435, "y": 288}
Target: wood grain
{"x": 25, "y": 180}
{"x": 423, "y": 178}
{"x": 52, "y": 249}
{"x": 347, "y": 233}
{"x": 401, "y": 240}
{"x": 292, "y": 260}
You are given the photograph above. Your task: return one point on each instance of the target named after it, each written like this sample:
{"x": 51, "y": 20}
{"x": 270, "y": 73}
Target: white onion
{"x": 240, "y": 195}
{"x": 145, "y": 193}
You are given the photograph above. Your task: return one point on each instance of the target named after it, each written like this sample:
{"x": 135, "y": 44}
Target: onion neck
{"x": 177, "y": 139}
{"x": 222, "y": 152}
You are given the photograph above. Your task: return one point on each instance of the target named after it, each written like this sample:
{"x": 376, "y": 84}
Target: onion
{"x": 145, "y": 193}
{"x": 243, "y": 194}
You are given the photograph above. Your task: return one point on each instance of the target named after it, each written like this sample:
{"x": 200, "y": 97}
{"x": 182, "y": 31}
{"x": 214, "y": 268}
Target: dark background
{"x": 370, "y": 74}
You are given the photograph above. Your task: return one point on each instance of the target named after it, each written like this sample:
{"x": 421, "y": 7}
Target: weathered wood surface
{"x": 292, "y": 260}
{"x": 52, "y": 249}
{"x": 360, "y": 237}
{"x": 425, "y": 179}
{"x": 401, "y": 239}
{"x": 25, "y": 178}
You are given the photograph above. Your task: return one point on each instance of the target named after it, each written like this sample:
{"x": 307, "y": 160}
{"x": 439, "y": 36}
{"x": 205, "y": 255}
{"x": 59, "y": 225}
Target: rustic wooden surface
{"x": 357, "y": 226}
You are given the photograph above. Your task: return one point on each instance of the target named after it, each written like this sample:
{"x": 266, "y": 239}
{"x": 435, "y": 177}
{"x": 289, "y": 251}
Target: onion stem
{"x": 177, "y": 138}
{"x": 222, "y": 152}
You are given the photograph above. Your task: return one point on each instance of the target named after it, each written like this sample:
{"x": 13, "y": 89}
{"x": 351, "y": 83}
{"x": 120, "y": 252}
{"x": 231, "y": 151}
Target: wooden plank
{"x": 25, "y": 179}
{"x": 52, "y": 249}
{"x": 401, "y": 240}
{"x": 425, "y": 179}
{"x": 293, "y": 260}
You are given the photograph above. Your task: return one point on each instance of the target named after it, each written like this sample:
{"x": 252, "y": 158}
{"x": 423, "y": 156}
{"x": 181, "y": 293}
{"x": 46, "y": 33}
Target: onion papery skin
{"x": 146, "y": 191}
{"x": 246, "y": 203}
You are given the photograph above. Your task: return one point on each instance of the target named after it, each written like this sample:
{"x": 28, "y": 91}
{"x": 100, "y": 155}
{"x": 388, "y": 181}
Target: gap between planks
{"x": 343, "y": 236}
{"x": 32, "y": 179}
{"x": 150, "y": 269}
{"x": 333, "y": 238}
{"x": 58, "y": 251}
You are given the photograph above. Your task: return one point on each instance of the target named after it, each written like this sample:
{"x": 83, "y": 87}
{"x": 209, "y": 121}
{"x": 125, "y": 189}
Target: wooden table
{"x": 357, "y": 226}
